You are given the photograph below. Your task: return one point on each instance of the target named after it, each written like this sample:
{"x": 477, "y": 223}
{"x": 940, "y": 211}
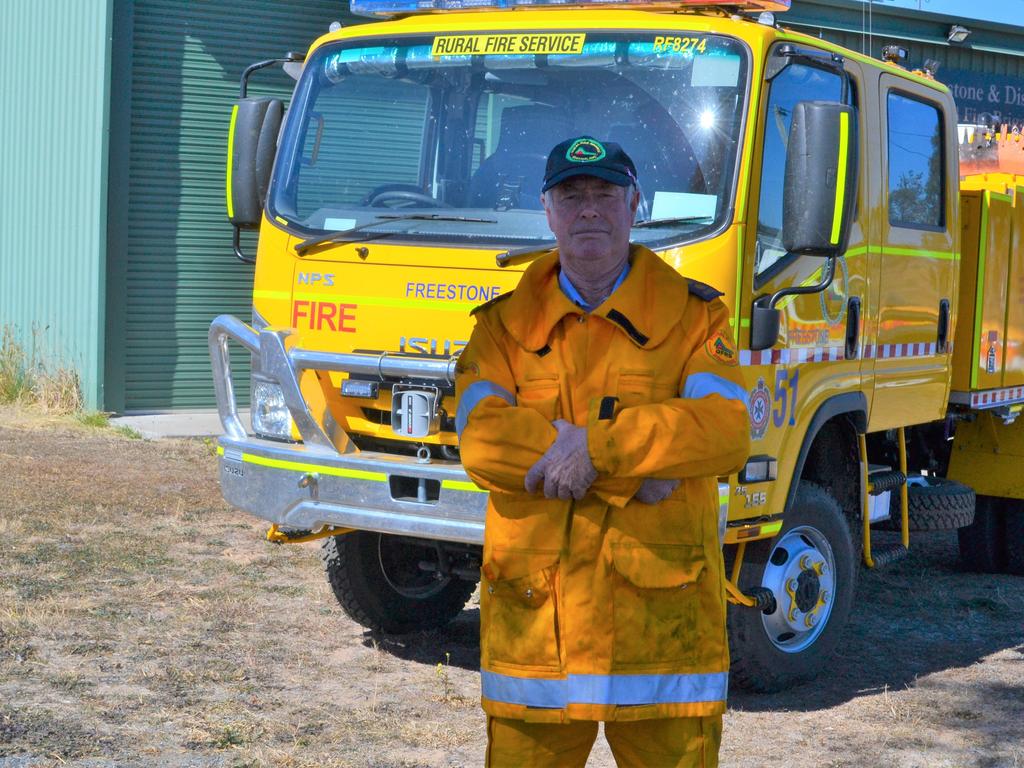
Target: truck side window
{"x": 916, "y": 164}
{"x": 794, "y": 84}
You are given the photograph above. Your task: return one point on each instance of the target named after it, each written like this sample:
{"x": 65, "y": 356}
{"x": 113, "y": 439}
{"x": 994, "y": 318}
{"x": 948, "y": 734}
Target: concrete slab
{"x": 154, "y": 426}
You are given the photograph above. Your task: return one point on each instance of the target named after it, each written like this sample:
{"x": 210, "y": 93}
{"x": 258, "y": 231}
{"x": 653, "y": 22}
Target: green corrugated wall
{"x": 175, "y": 267}
{"x": 54, "y": 62}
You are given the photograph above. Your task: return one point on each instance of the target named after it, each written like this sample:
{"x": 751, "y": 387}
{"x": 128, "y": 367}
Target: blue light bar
{"x": 384, "y": 8}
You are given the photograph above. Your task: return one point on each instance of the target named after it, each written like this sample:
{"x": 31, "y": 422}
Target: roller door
{"x": 179, "y": 271}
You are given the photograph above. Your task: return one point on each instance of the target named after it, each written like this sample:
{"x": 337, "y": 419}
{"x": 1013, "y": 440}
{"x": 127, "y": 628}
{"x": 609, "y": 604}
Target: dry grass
{"x": 28, "y": 380}
{"x": 900, "y": 708}
{"x": 144, "y": 623}
{"x": 59, "y": 391}
{"x": 15, "y": 378}
{"x": 141, "y": 619}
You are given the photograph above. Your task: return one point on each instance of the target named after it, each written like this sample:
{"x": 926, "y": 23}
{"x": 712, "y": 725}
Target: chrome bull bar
{"x": 285, "y": 363}
{"x": 314, "y": 484}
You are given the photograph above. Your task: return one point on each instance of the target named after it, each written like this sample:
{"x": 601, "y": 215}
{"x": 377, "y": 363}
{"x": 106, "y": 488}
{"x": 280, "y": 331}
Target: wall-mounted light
{"x": 957, "y": 34}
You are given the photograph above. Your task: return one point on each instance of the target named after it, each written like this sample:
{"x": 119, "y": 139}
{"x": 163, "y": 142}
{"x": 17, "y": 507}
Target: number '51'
{"x": 785, "y": 390}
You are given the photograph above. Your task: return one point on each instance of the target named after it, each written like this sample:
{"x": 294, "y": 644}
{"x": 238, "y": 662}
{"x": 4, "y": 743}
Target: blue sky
{"x": 1003, "y": 11}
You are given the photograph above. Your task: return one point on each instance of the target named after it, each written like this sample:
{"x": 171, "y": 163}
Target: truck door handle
{"x": 853, "y": 328}
{"x": 942, "y": 345}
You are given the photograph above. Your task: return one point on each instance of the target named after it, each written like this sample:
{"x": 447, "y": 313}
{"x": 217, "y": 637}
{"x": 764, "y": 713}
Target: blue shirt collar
{"x": 574, "y": 296}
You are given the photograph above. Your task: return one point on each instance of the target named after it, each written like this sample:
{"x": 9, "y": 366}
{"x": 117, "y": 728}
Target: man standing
{"x": 598, "y": 402}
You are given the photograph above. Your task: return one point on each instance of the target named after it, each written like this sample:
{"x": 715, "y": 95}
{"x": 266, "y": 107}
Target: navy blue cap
{"x": 586, "y": 156}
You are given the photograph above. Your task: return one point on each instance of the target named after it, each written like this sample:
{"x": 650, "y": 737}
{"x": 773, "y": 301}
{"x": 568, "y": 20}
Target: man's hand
{"x": 565, "y": 467}
{"x": 652, "y": 490}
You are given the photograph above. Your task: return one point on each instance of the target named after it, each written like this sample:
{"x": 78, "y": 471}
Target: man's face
{"x": 591, "y": 219}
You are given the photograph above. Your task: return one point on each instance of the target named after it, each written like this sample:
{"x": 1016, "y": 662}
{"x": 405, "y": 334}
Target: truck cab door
{"x": 910, "y": 344}
{"x": 809, "y": 363}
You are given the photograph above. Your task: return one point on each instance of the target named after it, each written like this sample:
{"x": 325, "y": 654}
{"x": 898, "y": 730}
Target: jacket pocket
{"x": 518, "y": 610}
{"x": 656, "y": 603}
{"x": 635, "y": 388}
{"x": 542, "y": 396}
{"x": 643, "y": 387}
{"x": 678, "y": 520}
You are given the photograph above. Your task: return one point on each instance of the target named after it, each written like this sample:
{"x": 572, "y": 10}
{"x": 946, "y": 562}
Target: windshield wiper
{"x": 522, "y": 255}
{"x": 341, "y": 234}
{"x": 673, "y": 220}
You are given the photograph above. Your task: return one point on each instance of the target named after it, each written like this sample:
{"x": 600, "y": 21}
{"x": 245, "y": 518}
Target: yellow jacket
{"x": 604, "y": 608}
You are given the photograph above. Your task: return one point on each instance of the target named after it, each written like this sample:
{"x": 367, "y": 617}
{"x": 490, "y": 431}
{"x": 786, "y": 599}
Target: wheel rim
{"x": 399, "y": 565}
{"x": 801, "y": 574}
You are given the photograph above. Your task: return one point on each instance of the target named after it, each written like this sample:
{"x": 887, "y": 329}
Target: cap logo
{"x": 585, "y": 151}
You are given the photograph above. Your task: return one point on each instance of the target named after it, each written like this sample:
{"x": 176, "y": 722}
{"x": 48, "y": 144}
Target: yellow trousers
{"x": 683, "y": 742}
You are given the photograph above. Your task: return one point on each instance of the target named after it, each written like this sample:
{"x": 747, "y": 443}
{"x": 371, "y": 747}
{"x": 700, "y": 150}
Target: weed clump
{"x": 96, "y": 419}
{"x": 26, "y": 380}
{"x": 15, "y": 378}
{"x": 59, "y": 391}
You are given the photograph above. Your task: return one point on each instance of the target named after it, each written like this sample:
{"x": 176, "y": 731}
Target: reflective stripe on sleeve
{"x": 703, "y": 384}
{"x": 471, "y": 398}
{"x": 619, "y": 690}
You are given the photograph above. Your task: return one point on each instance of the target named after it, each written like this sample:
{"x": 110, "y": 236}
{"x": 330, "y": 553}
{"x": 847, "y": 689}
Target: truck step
{"x": 888, "y": 555}
{"x": 886, "y": 481}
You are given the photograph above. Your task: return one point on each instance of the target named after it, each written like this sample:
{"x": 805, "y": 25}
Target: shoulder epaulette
{"x": 704, "y": 291}
{"x": 486, "y": 304}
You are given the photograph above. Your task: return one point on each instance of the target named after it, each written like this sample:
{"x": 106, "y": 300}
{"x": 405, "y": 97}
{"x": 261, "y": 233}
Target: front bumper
{"x": 301, "y": 489}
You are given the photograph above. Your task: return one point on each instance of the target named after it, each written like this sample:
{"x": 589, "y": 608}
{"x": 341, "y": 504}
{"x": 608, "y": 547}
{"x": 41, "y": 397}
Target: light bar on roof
{"x": 401, "y": 7}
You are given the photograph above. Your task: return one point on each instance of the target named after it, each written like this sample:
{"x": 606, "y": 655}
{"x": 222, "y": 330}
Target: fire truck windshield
{"x": 461, "y": 125}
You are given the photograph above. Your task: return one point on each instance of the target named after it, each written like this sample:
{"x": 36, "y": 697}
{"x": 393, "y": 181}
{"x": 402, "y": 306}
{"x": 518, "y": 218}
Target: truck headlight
{"x": 270, "y": 415}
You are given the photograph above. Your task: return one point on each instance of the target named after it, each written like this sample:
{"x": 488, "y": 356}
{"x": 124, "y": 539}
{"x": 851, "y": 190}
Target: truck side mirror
{"x": 821, "y": 179}
{"x": 252, "y": 144}
{"x": 817, "y": 203}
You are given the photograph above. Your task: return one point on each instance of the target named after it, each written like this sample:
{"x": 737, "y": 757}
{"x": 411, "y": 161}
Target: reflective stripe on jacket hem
{"x": 618, "y": 690}
{"x": 703, "y": 384}
{"x": 471, "y": 398}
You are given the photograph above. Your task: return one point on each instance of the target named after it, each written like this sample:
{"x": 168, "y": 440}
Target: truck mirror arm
{"x": 236, "y": 244}
{"x": 290, "y": 58}
{"x": 765, "y": 318}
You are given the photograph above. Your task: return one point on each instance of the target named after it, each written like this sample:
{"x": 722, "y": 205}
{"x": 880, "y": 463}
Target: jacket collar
{"x": 645, "y": 307}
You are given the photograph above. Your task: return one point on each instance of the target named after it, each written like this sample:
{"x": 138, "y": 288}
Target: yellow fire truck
{"x": 879, "y": 310}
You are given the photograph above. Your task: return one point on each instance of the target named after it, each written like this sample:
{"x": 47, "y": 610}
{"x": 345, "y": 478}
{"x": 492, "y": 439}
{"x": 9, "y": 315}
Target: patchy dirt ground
{"x": 144, "y": 623}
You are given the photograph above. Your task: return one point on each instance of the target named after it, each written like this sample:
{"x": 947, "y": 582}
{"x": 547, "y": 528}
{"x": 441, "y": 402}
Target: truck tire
{"x": 942, "y": 505}
{"x": 983, "y": 542}
{"x": 378, "y": 582}
{"x": 1013, "y": 541}
{"x": 776, "y": 650}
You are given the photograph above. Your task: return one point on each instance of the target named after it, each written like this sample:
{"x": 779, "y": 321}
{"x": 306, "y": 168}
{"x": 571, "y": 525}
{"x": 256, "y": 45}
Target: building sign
{"x": 985, "y": 99}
